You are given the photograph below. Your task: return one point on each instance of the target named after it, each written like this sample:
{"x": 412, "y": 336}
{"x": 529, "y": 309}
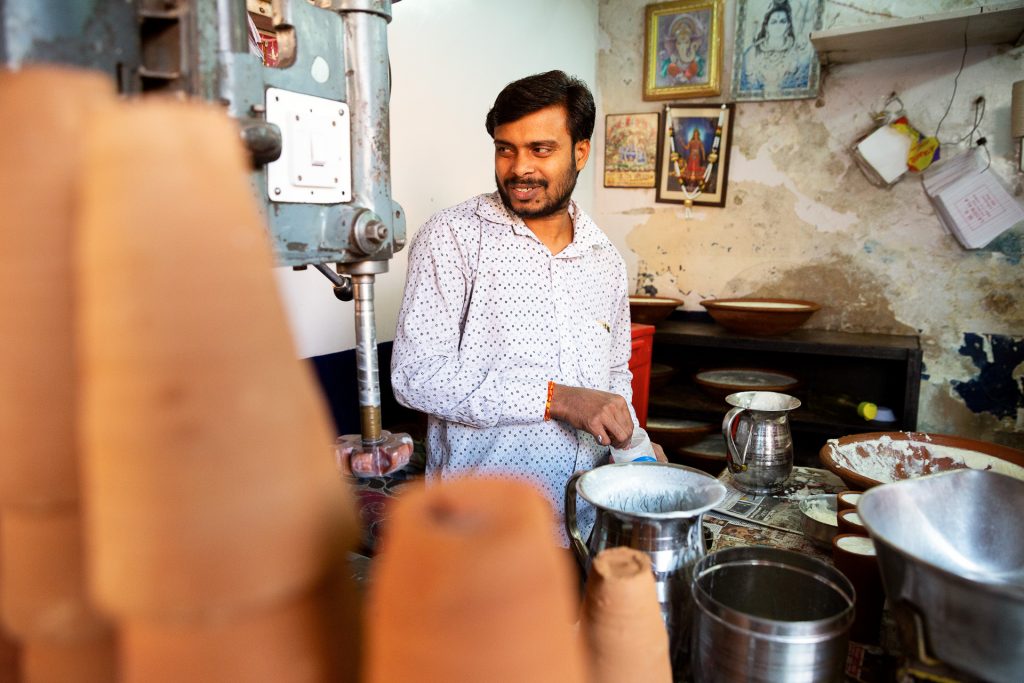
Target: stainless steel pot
{"x": 655, "y": 508}
{"x": 769, "y": 615}
{"x": 951, "y": 551}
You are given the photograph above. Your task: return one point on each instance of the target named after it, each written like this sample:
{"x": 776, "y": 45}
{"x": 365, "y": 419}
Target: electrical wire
{"x": 952, "y": 97}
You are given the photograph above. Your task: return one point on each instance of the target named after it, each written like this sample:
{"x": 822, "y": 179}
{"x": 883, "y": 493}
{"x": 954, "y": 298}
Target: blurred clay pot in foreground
{"x": 470, "y": 586}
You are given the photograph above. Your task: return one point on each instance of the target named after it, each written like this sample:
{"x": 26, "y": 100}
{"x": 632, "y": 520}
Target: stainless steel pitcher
{"x": 655, "y": 508}
{"x": 759, "y": 445}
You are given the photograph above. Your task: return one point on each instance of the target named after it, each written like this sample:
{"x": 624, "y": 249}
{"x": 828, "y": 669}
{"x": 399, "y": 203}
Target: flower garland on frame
{"x": 712, "y": 160}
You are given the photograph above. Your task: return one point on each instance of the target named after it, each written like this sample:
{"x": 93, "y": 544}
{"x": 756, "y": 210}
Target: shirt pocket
{"x": 594, "y": 353}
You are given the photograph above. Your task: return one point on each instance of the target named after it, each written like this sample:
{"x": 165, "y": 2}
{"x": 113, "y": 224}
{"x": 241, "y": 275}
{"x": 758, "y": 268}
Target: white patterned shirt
{"x": 488, "y": 317}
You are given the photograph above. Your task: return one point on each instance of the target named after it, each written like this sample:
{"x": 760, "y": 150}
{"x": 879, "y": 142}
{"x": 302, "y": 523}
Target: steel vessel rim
{"x": 678, "y": 514}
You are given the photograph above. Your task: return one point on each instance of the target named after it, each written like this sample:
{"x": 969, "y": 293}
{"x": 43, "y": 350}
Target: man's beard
{"x": 557, "y": 202}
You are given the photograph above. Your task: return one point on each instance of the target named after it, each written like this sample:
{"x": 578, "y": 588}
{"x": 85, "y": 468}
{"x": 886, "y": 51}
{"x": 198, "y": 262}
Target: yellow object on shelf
{"x": 867, "y": 410}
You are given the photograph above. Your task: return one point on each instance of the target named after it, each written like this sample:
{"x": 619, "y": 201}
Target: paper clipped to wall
{"x": 970, "y": 201}
{"x": 885, "y": 150}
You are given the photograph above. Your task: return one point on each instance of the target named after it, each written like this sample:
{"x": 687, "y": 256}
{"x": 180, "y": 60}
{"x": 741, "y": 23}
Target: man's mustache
{"x": 526, "y": 182}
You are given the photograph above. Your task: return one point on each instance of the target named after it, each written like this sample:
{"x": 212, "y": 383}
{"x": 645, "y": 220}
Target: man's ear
{"x": 582, "y": 152}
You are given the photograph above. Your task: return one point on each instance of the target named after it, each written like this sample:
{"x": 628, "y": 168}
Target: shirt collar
{"x": 586, "y": 235}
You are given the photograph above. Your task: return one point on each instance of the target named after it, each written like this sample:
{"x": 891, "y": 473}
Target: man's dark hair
{"x": 533, "y": 93}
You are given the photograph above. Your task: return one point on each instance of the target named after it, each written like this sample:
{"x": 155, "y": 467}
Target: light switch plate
{"x": 315, "y": 166}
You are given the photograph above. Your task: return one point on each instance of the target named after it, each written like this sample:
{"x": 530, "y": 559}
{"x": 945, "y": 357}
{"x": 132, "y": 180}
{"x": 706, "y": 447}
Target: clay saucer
{"x": 660, "y": 375}
{"x": 671, "y": 433}
{"x": 721, "y": 382}
{"x": 707, "y": 455}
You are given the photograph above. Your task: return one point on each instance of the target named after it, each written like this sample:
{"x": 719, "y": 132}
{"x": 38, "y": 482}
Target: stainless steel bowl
{"x": 952, "y": 556}
{"x": 814, "y": 527}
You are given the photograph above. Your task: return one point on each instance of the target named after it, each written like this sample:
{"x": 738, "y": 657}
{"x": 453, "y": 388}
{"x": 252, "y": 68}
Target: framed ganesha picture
{"x": 682, "y": 49}
{"x": 693, "y": 153}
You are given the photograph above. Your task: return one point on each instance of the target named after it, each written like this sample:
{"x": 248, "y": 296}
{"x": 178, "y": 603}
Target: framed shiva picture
{"x": 630, "y": 150}
{"x": 683, "y": 49}
{"x": 774, "y": 58}
{"x": 693, "y": 153}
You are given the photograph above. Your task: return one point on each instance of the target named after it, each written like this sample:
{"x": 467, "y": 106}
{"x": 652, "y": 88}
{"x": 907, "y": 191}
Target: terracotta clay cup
{"x": 208, "y": 471}
{"x": 850, "y": 523}
{"x": 854, "y": 555}
{"x": 10, "y": 658}
{"x": 43, "y": 582}
{"x": 92, "y": 660}
{"x": 289, "y": 642}
{"x": 470, "y": 586}
{"x": 847, "y": 500}
{"x": 621, "y": 620}
{"x": 44, "y": 112}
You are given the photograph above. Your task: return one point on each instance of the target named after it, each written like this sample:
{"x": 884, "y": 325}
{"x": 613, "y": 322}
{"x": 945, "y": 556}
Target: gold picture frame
{"x": 631, "y": 149}
{"x": 683, "y": 49}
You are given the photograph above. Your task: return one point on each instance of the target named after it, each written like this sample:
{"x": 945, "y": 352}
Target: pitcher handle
{"x": 571, "y": 527}
{"x": 730, "y": 442}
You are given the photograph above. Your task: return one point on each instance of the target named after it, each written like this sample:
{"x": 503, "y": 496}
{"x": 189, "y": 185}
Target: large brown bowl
{"x": 648, "y": 310}
{"x": 866, "y": 460}
{"x": 761, "y": 317}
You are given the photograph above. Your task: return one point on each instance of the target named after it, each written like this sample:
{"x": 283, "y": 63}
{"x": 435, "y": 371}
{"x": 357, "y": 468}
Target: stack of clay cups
{"x": 214, "y": 515}
{"x": 469, "y": 585}
{"x": 44, "y": 113}
{"x": 854, "y": 554}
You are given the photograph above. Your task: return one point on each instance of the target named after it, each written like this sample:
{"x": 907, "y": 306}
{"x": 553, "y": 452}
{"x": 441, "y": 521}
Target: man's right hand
{"x": 601, "y": 413}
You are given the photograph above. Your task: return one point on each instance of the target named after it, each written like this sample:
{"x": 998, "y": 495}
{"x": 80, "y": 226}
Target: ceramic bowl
{"x": 761, "y": 317}
{"x": 671, "y": 433}
{"x": 660, "y": 375}
{"x": 707, "y": 455}
{"x": 721, "y": 382}
{"x": 866, "y": 460}
{"x": 649, "y": 310}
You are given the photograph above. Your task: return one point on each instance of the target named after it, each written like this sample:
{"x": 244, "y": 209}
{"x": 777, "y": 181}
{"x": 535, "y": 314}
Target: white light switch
{"x": 315, "y": 166}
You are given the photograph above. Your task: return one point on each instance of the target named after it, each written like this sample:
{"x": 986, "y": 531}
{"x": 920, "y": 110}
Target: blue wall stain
{"x": 993, "y": 390}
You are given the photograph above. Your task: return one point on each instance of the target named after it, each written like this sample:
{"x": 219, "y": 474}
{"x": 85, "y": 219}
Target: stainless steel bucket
{"x": 952, "y": 557}
{"x": 655, "y": 508}
{"x": 769, "y": 615}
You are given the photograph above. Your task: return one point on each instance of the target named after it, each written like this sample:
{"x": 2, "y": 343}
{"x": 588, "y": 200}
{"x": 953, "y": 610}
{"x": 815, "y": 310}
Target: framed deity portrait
{"x": 693, "y": 153}
{"x": 630, "y": 150}
{"x": 683, "y": 49}
{"x": 774, "y": 58}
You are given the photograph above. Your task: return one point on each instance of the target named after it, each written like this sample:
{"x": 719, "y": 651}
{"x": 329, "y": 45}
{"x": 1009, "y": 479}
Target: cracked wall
{"x": 801, "y": 221}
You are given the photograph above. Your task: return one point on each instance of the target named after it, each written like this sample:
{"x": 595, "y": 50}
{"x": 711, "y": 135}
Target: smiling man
{"x": 514, "y": 332}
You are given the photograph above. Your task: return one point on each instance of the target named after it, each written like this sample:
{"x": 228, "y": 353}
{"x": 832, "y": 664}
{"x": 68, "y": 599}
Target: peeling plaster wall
{"x": 802, "y": 221}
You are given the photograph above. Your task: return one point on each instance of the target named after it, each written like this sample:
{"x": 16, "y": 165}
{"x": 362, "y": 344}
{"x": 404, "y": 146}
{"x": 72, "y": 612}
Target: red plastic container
{"x": 640, "y": 366}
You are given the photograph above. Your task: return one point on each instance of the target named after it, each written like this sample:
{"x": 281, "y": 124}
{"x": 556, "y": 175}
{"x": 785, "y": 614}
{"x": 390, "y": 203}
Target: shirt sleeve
{"x": 620, "y": 378}
{"x": 427, "y": 373}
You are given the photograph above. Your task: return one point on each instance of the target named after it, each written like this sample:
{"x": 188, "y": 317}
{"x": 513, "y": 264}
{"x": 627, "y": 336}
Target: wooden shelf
{"x": 820, "y": 342}
{"x": 835, "y": 371}
{"x": 990, "y": 25}
{"x": 681, "y": 399}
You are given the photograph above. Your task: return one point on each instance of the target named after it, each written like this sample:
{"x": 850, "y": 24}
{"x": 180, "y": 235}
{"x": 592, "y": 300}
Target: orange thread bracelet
{"x": 547, "y": 405}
